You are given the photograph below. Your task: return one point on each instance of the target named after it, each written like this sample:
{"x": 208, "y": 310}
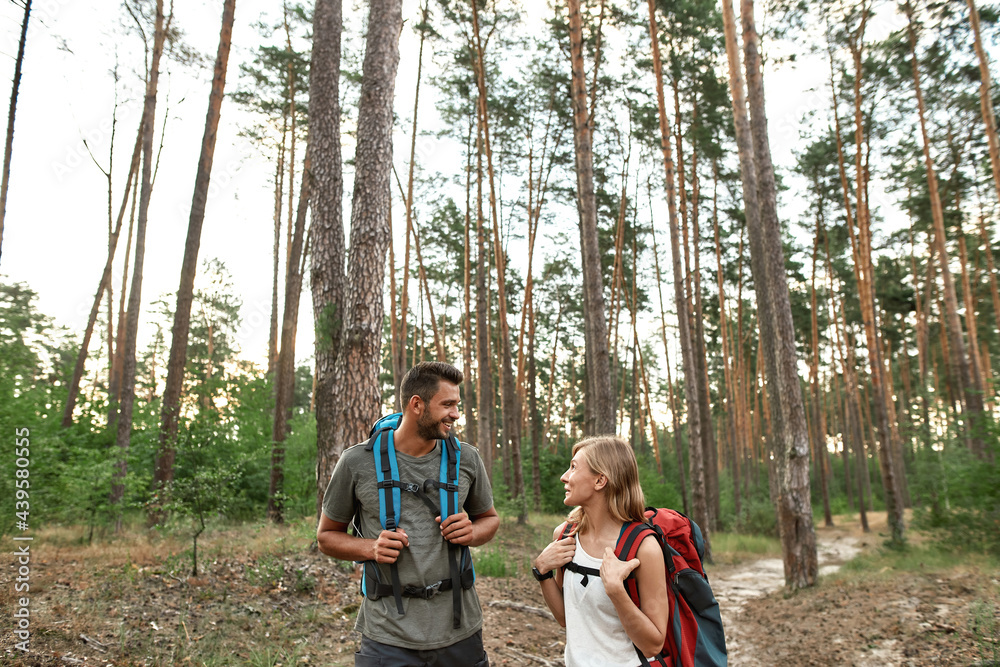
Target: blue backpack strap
{"x": 451, "y": 453}
{"x": 387, "y": 481}
{"x": 451, "y": 458}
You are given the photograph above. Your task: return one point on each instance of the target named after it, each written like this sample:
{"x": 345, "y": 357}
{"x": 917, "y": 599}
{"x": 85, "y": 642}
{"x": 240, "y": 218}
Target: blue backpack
{"x": 390, "y": 488}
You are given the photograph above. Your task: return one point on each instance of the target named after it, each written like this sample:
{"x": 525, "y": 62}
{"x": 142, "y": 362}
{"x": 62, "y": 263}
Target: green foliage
{"x": 958, "y": 496}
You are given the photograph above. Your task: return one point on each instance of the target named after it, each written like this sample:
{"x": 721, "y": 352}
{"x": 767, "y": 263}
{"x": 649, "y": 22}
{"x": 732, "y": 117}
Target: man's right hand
{"x": 386, "y": 548}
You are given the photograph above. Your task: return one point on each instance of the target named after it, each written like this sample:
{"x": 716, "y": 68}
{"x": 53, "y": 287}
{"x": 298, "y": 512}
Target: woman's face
{"x": 580, "y": 482}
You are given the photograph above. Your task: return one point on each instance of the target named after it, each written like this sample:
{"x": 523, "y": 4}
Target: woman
{"x": 604, "y": 628}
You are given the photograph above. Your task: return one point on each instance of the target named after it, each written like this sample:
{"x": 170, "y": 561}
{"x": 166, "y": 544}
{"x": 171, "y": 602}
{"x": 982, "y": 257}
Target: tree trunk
{"x": 819, "y": 418}
{"x": 279, "y": 191}
{"x": 699, "y": 506}
{"x": 8, "y": 146}
{"x": 357, "y": 367}
{"x": 164, "y": 472}
{"x": 791, "y": 438}
{"x": 600, "y": 391}
{"x": 127, "y": 350}
{"x": 327, "y": 224}
{"x": 285, "y": 377}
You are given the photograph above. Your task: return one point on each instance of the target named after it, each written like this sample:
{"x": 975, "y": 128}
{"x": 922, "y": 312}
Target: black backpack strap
{"x": 587, "y": 572}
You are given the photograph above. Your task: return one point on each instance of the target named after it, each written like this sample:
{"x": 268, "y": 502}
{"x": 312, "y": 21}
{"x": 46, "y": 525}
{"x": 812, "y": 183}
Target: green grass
{"x": 885, "y": 563}
{"x": 494, "y": 561}
{"x": 733, "y": 548}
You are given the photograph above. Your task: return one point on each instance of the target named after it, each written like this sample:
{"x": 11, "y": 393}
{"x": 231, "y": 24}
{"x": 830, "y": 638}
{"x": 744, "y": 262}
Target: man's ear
{"x": 416, "y": 404}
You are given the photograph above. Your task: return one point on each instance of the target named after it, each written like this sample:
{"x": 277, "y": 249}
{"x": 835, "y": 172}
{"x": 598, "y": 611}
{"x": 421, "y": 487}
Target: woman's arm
{"x": 645, "y": 626}
{"x": 553, "y": 557}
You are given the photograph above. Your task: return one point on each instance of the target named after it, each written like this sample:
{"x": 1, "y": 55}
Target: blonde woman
{"x": 604, "y": 628}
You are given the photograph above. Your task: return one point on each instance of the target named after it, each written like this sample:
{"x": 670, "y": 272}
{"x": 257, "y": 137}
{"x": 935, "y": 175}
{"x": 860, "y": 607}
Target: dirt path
{"x": 735, "y": 586}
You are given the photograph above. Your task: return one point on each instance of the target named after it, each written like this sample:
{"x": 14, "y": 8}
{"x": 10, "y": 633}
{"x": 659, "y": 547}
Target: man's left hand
{"x": 457, "y": 529}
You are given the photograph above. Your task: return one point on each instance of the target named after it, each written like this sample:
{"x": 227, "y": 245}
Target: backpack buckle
{"x": 424, "y": 593}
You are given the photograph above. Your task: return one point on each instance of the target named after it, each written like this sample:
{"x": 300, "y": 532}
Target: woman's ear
{"x": 601, "y": 482}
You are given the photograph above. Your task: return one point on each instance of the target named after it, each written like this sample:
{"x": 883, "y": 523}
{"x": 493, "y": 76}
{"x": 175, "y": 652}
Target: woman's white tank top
{"x": 594, "y": 633}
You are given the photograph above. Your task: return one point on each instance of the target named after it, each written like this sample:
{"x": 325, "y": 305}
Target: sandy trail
{"x": 734, "y": 586}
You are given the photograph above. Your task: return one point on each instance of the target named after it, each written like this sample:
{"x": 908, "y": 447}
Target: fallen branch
{"x": 93, "y": 642}
{"x": 509, "y": 604}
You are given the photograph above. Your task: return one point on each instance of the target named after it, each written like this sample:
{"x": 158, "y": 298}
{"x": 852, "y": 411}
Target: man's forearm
{"x": 343, "y": 546}
{"x": 483, "y": 529}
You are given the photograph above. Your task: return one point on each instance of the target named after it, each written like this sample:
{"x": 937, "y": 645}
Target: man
{"x": 423, "y": 546}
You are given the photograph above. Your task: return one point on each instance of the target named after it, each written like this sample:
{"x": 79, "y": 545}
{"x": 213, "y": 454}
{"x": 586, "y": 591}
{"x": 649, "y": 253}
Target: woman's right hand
{"x": 556, "y": 554}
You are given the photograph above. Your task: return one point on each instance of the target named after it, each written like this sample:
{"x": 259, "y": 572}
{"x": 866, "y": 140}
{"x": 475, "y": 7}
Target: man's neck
{"x": 408, "y": 441}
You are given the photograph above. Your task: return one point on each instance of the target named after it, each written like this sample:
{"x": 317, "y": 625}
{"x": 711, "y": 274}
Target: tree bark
{"x": 163, "y": 474}
{"x": 356, "y": 373}
{"x": 327, "y": 224}
{"x": 791, "y": 444}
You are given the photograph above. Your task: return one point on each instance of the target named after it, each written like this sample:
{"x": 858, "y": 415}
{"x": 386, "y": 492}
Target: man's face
{"x": 437, "y": 420}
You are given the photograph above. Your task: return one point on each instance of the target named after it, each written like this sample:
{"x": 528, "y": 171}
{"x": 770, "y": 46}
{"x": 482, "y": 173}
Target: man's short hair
{"x": 424, "y": 379}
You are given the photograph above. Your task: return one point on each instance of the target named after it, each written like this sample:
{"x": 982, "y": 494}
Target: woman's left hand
{"x": 615, "y": 571}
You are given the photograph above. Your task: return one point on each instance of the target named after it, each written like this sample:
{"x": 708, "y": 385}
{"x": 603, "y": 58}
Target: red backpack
{"x": 695, "y": 637}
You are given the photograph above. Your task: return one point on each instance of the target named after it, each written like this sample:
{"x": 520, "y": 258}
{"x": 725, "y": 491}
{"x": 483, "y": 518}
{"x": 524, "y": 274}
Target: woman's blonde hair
{"x": 612, "y": 457}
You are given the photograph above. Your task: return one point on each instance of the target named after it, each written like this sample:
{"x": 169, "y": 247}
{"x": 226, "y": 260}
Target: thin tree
{"x": 104, "y": 285}
{"x": 600, "y": 401}
{"x": 285, "y": 376}
{"x": 699, "y": 504}
{"x": 12, "y": 109}
{"x": 169, "y": 417}
{"x": 124, "y": 418}
{"x": 511, "y": 409}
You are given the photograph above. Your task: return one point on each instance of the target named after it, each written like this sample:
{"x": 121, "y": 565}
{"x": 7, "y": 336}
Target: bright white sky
{"x": 56, "y": 227}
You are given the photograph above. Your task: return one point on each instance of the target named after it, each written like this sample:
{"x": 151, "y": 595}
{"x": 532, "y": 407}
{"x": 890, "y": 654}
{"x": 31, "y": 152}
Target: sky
{"x": 55, "y": 235}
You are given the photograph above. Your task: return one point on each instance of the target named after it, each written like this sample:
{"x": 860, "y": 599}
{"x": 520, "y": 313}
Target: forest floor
{"x": 264, "y": 598}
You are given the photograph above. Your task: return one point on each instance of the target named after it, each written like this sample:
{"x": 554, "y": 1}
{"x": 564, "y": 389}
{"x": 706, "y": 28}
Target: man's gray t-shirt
{"x": 427, "y": 624}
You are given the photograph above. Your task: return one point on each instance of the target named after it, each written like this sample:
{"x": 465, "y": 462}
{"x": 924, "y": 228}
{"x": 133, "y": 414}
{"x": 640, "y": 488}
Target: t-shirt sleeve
{"x": 480, "y": 498}
{"x": 338, "y": 501}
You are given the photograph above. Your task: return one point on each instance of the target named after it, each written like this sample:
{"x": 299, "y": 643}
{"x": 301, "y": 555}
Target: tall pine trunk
{"x": 327, "y": 260}
{"x": 356, "y": 373}
{"x": 600, "y": 393}
{"x": 164, "y": 471}
{"x": 791, "y": 443}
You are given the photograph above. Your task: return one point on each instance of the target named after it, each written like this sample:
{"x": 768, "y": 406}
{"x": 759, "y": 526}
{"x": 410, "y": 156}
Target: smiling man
{"x": 422, "y": 547}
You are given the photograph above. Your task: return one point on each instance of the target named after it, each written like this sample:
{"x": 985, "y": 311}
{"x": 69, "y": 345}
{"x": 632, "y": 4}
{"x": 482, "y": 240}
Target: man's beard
{"x": 428, "y": 429}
